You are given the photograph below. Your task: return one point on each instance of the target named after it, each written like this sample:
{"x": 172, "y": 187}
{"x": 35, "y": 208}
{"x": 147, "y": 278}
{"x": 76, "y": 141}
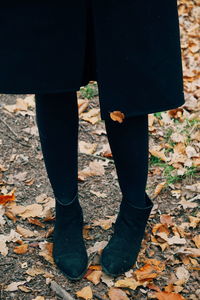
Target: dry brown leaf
{"x": 98, "y": 247}
{"x": 117, "y": 116}
{"x": 32, "y": 210}
{"x": 46, "y": 252}
{"x": 168, "y": 296}
{"x": 159, "y": 188}
{"x": 95, "y": 168}
{"x": 21, "y": 249}
{"x": 127, "y": 283}
{"x": 108, "y": 280}
{"x": 105, "y": 223}
{"x": 93, "y": 116}
{"x": 187, "y": 204}
{"x": 166, "y": 219}
{"x": 95, "y": 277}
{"x": 14, "y": 286}
{"x": 85, "y": 293}
{"x": 194, "y": 221}
{"x": 117, "y": 294}
{"x": 88, "y": 148}
{"x": 25, "y": 232}
{"x": 196, "y": 240}
{"x": 193, "y": 252}
{"x": 35, "y": 222}
{"x": 182, "y": 275}
{"x": 24, "y": 289}
{"x": 86, "y": 232}
{"x": 160, "y": 228}
{"x": 34, "y": 271}
{"x": 147, "y": 272}
{"x": 82, "y": 105}
{"x": 158, "y": 154}
{"x": 7, "y": 198}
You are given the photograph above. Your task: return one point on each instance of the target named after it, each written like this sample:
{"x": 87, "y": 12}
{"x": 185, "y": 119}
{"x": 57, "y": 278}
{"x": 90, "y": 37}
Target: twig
{"x": 4, "y": 122}
{"x": 98, "y": 157}
{"x": 14, "y": 133}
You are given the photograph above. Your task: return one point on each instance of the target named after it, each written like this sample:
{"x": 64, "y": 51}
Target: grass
{"x": 89, "y": 91}
{"x": 168, "y": 171}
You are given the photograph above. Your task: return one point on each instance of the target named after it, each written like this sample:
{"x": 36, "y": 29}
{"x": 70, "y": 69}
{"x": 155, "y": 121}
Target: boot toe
{"x": 113, "y": 263}
{"x": 73, "y": 267}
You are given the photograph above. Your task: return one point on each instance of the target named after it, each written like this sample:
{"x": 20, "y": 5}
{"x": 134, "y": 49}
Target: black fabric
{"x": 132, "y": 48}
{"x": 129, "y": 145}
{"x": 57, "y": 121}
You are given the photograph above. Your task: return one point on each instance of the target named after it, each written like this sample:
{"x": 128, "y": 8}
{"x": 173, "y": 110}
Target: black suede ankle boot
{"x": 69, "y": 251}
{"x": 120, "y": 254}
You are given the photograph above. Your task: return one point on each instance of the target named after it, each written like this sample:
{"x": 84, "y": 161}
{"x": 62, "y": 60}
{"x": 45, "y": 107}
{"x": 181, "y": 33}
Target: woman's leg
{"x": 57, "y": 120}
{"x": 129, "y": 145}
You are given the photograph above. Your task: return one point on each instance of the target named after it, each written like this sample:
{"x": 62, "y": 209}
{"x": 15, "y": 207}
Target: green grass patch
{"x": 89, "y": 91}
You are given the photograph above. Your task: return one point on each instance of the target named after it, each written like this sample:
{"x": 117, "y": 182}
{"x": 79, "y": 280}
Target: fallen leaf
{"x": 105, "y": 223}
{"x": 194, "y": 221}
{"x": 24, "y": 231}
{"x": 46, "y": 251}
{"x": 168, "y": 296}
{"x": 6, "y": 198}
{"x": 95, "y": 277}
{"x": 14, "y": 286}
{"x": 21, "y": 249}
{"x": 196, "y": 240}
{"x": 117, "y": 116}
{"x": 127, "y": 283}
{"x": 147, "y": 272}
{"x": 85, "y": 293}
{"x": 117, "y": 294}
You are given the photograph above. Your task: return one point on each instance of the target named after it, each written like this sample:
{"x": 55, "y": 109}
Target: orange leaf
{"x": 6, "y": 198}
{"x": 117, "y": 116}
{"x": 36, "y": 222}
{"x": 147, "y": 272}
{"x": 168, "y": 296}
{"x": 21, "y": 249}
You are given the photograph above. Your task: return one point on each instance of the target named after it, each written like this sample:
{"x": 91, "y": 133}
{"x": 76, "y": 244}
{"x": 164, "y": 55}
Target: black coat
{"x": 130, "y": 47}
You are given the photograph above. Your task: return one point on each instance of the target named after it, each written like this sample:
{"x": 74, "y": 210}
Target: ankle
{"x": 63, "y": 201}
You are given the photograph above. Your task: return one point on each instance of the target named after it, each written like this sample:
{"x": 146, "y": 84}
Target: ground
{"x": 167, "y": 267}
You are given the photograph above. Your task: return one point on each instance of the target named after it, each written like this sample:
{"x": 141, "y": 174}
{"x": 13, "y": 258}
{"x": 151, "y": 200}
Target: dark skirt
{"x": 131, "y": 48}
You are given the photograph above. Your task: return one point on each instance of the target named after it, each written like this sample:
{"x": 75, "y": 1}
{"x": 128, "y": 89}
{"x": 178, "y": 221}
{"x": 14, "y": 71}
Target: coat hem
{"x": 105, "y": 116}
{"x": 38, "y": 91}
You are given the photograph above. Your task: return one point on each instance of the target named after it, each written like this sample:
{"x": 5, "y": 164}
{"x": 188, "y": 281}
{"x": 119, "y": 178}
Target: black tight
{"x": 57, "y": 120}
{"x": 129, "y": 145}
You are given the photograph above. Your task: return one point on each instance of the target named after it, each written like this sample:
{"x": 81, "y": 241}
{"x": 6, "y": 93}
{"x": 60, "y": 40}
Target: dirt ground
{"x": 21, "y": 152}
